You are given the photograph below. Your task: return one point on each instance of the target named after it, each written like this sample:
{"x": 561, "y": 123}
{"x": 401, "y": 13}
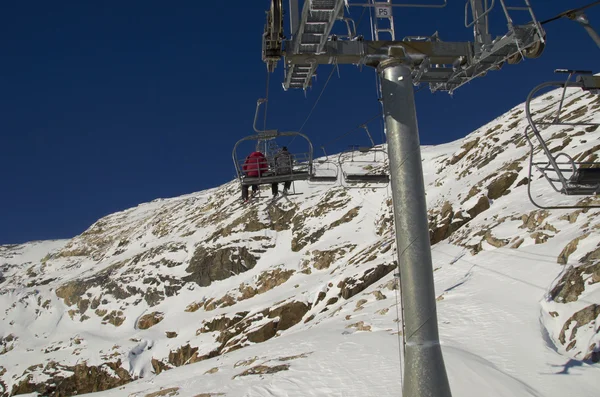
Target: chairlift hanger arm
{"x": 258, "y": 103}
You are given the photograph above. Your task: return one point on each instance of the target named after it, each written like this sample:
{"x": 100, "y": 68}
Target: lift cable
{"x": 316, "y": 102}
{"x": 573, "y": 11}
{"x": 266, "y": 101}
{"x": 361, "y": 125}
{"x": 352, "y": 130}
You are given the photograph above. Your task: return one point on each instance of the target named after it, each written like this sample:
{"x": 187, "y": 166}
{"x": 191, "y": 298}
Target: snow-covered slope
{"x": 298, "y": 297}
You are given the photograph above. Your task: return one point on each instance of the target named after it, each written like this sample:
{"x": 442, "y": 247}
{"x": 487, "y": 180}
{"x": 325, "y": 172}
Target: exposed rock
{"x": 221, "y": 323}
{"x": 572, "y": 216}
{"x": 572, "y": 283}
{"x": 211, "y": 265}
{"x": 534, "y": 219}
{"x": 248, "y": 222}
{"x": 281, "y": 219}
{"x": 500, "y": 185}
{"x": 303, "y": 236}
{"x": 194, "y": 306}
{"x": 360, "y": 326}
{"x": 289, "y": 314}
{"x": 266, "y": 281}
{"x": 445, "y": 222}
{"x": 351, "y": 286}
{"x": 115, "y": 318}
{"x": 263, "y": 370}
{"x": 224, "y": 301}
{"x": 482, "y": 204}
{"x": 360, "y": 304}
{"x": 571, "y": 247}
{"x": 84, "y": 379}
{"x": 245, "y": 363}
{"x": 493, "y": 241}
{"x": 465, "y": 149}
{"x": 580, "y": 318}
{"x": 323, "y": 259}
{"x": 150, "y": 320}
{"x": 540, "y": 237}
{"x": 171, "y": 391}
{"x": 517, "y": 243}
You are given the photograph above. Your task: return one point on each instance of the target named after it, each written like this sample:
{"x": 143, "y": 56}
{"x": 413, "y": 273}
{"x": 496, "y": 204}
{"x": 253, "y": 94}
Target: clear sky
{"x": 106, "y": 105}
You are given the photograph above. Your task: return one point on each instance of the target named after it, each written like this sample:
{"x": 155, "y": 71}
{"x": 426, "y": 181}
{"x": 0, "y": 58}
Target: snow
{"x": 499, "y": 328}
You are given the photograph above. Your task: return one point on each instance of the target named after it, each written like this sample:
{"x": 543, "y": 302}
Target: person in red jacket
{"x": 254, "y": 166}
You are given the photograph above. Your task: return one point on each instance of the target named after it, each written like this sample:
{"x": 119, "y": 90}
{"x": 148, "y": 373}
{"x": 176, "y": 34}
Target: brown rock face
{"x": 264, "y": 370}
{"x": 211, "y": 265}
{"x": 581, "y": 318}
{"x": 352, "y": 286}
{"x": 563, "y": 257}
{"x": 499, "y": 187}
{"x": 572, "y": 283}
{"x": 84, "y": 380}
{"x": 150, "y": 320}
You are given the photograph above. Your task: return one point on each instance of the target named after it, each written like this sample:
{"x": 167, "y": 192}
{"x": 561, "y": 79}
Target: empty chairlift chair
{"x": 566, "y": 175}
{"x": 325, "y": 171}
{"x": 364, "y": 165}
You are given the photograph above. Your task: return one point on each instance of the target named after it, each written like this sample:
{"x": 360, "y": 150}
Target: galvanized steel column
{"x": 424, "y": 370}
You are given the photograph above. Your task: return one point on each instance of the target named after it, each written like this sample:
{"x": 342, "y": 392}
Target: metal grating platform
{"x": 318, "y": 17}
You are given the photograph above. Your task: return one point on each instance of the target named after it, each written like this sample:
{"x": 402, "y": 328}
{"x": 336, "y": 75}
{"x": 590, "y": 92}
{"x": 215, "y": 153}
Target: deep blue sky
{"x": 105, "y": 105}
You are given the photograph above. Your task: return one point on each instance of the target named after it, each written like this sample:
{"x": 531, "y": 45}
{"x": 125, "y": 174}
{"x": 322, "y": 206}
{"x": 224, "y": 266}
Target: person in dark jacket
{"x": 283, "y": 166}
{"x": 254, "y": 166}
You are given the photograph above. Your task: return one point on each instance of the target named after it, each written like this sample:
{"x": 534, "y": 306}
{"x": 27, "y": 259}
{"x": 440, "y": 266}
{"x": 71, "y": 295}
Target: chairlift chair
{"x": 325, "y": 171}
{"x": 301, "y": 163}
{"x": 565, "y": 175}
{"x": 362, "y": 168}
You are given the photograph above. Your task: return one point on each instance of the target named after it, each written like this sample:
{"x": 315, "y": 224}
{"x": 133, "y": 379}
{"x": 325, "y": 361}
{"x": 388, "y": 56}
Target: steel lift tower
{"x": 445, "y": 66}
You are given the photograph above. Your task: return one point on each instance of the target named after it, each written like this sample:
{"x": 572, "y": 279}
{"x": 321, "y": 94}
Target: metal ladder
{"x": 526, "y": 7}
{"x": 481, "y": 9}
{"x": 318, "y": 17}
{"x": 386, "y": 14}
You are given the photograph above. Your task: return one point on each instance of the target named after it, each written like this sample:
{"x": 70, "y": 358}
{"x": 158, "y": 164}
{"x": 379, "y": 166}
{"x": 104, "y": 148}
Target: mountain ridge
{"x": 200, "y": 278}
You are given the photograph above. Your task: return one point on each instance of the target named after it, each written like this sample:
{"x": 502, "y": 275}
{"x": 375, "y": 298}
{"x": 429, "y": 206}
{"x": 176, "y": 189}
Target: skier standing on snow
{"x": 283, "y": 166}
{"x": 254, "y": 166}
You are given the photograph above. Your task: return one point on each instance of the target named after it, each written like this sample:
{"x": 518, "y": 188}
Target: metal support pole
{"x": 424, "y": 370}
{"x": 294, "y": 17}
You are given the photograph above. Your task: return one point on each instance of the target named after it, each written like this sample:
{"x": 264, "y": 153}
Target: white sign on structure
{"x": 383, "y": 10}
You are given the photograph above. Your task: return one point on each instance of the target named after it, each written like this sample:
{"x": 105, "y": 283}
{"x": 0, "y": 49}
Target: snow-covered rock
{"x": 298, "y": 297}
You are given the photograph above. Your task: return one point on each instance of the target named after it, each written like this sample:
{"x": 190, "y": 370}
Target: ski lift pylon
{"x": 362, "y": 168}
{"x": 565, "y": 175}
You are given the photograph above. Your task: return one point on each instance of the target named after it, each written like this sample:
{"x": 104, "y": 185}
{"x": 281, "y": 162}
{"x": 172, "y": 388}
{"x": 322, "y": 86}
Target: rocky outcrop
{"x": 579, "y": 320}
{"x": 84, "y": 379}
{"x": 351, "y": 286}
{"x": 499, "y": 186}
{"x": 150, "y": 320}
{"x": 208, "y": 265}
